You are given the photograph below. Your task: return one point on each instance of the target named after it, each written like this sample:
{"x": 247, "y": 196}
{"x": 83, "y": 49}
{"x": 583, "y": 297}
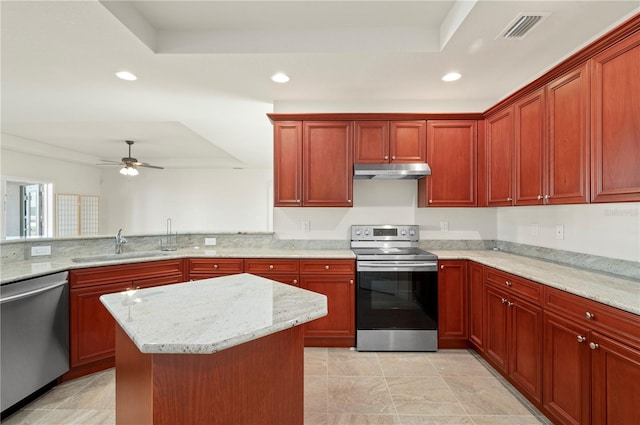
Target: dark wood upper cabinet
{"x": 529, "y": 149}
{"x": 381, "y": 142}
{"x": 615, "y": 122}
{"x": 498, "y": 152}
{"x": 452, "y": 156}
{"x": 567, "y": 148}
{"x": 327, "y": 163}
{"x": 287, "y": 163}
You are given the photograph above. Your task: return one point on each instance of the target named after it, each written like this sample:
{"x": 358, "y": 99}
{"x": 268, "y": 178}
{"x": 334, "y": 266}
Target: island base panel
{"x": 261, "y": 381}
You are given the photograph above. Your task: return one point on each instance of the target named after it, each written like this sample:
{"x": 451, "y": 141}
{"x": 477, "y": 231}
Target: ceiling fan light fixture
{"x": 129, "y": 171}
{"x": 126, "y": 75}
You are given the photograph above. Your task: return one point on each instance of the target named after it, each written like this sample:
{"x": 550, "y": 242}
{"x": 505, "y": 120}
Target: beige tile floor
{"x": 341, "y": 387}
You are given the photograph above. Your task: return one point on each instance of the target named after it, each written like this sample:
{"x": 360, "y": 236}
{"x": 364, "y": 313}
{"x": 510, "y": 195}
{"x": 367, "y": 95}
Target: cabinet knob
{"x": 351, "y": 281}
{"x": 506, "y": 282}
{"x": 547, "y": 196}
{"x": 589, "y": 316}
{"x": 271, "y": 266}
{"x": 540, "y": 197}
{"x": 215, "y": 266}
{"x": 393, "y": 157}
{"x": 593, "y": 345}
{"x": 442, "y": 267}
{"x": 386, "y": 157}
{"x": 297, "y": 200}
{"x": 503, "y": 300}
{"x": 509, "y": 304}
{"x": 295, "y": 281}
{"x": 581, "y": 338}
{"x": 431, "y": 201}
{"x": 349, "y": 200}
{"x": 509, "y": 199}
{"x": 326, "y": 267}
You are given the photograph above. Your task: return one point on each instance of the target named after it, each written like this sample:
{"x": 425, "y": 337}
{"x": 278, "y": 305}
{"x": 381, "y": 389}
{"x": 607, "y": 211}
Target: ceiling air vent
{"x": 521, "y": 25}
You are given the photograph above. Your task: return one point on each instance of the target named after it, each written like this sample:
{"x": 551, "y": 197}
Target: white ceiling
{"x": 204, "y": 68}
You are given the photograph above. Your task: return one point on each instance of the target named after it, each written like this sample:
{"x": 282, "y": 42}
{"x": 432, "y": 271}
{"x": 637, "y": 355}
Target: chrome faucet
{"x": 120, "y": 240}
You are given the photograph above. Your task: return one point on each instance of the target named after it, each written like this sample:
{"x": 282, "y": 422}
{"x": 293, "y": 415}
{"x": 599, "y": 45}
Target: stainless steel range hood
{"x": 411, "y": 171}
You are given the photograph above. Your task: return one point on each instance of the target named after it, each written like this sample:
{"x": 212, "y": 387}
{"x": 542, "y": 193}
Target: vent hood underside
{"x": 412, "y": 171}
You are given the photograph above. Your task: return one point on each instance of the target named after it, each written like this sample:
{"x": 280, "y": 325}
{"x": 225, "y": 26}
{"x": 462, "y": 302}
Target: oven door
{"x": 397, "y": 295}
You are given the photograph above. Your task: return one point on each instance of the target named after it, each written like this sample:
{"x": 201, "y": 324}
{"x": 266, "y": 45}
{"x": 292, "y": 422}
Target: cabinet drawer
{"x": 126, "y": 272}
{"x": 216, "y": 265}
{"x": 270, "y": 265}
{"x": 327, "y": 266}
{"x": 290, "y": 279}
{"x": 593, "y": 314}
{"x": 515, "y": 285}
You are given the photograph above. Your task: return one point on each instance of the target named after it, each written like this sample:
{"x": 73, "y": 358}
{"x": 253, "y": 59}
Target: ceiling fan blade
{"x": 144, "y": 164}
{"x": 109, "y": 162}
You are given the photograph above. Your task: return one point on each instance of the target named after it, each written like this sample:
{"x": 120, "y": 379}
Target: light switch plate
{"x": 306, "y": 226}
{"x": 210, "y": 241}
{"x": 40, "y": 250}
{"x": 560, "y": 232}
{"x": 444, "y": 226}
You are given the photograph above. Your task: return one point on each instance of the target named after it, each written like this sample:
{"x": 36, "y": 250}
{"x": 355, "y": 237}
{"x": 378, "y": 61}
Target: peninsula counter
{"x": 226, "y": 350}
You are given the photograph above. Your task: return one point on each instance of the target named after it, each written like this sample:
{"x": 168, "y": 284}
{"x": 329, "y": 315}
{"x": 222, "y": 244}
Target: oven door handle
{"x": 382, "y": 266}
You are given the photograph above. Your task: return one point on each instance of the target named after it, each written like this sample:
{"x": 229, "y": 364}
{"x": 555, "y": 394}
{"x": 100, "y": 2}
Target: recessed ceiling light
{"x": 452, "y": 76}
{"x": 280, "y": 77}
{"x": 126, "y": 75}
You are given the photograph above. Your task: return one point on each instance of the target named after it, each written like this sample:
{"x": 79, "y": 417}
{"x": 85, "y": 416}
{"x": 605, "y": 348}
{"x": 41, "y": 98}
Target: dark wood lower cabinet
{"x": 476, "y": 306}
{"x": 452, "y": 304}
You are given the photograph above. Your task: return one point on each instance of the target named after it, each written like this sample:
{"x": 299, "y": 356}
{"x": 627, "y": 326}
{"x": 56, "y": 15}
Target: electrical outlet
{"x": 40, "y": 250}
{"x": 444, "y": 226}
{"x": 209, "y": 241}
{"x": 306, "y": 226}
{"x": 559, "y": 231}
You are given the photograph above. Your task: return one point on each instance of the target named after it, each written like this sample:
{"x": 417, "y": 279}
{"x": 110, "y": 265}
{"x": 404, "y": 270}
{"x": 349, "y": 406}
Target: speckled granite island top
{"x": 210, "y": 315}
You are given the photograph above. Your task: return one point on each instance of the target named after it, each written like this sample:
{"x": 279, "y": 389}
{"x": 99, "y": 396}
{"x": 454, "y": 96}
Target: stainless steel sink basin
{"x": 116, "y": 257}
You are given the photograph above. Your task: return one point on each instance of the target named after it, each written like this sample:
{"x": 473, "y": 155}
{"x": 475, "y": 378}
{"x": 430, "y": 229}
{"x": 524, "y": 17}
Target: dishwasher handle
{"x": 30, "y": 293}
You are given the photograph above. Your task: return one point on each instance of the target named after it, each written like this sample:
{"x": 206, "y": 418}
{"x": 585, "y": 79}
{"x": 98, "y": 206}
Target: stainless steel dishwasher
{"x": 35, "y": 335}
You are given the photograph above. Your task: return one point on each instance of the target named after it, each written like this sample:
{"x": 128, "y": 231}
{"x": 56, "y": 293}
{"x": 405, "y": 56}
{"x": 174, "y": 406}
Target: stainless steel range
{"x": 397, "y": 290}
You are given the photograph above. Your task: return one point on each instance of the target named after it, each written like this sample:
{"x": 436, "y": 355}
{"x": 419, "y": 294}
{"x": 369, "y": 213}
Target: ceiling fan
{"x": 129, "y": 163}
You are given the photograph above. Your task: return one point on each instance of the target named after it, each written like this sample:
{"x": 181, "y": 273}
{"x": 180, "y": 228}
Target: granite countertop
{"x": 210, "y": 315}
{"x": 619, "y": 292}
{"x": 39, "y": 266}
{"x": 616, "y": 291}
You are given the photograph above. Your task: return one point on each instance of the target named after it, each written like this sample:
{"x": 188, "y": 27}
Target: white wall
{"x": 196, "y": 200}
{"x": 385, "y": 202}
{"x": 609, "y": 230}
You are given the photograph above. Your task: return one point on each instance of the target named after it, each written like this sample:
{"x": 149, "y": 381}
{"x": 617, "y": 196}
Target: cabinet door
{"x": 615, "y": 381}
{"x": 499, "y": 158}
{"x": 615, "y": 127}
{"x": 475, "y": 304}
{"x": 529, "y": 149}
{"x": 408, "y": 141}
{"x": 495, "y": 327}
{"x": 567, "y": 161}
{"x": 287, "y": 163}
{"x": 567, "y": 373}
{"x": 525, "y": 345}
{"x": 327, "y": 163}
{"x": 451, "y": 154}
{"x": 371, "y": 142}
{"x": 452, "y": 304}
{"x": 92, "y": 326}
{"x": 337, "y": 328}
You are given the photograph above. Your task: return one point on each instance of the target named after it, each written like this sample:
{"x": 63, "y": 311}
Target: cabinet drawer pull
{"x": 215, "y": 266}
{"x": 589, "y": 316}
{"x": 326, "y": 267}
{"x": 270, "y": 266}
{"x": 593, "y": 345}
{"x": 581, "y": 338}
{"x": 506, "y": 282}
{"x": 295, "y": 281}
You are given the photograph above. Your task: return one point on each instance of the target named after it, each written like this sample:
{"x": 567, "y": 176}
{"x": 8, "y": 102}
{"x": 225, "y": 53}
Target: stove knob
{"x": 366, "y": 232}
{"x": 404, "y": 233}
{"x": 412, "y": 232}
{"x": 358, "y": 232}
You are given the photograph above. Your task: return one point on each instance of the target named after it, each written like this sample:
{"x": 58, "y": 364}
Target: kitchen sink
{"x": 116, "y": 257}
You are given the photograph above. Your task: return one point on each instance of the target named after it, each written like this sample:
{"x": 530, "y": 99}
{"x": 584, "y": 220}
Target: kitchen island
{"x": 226, "y": 350}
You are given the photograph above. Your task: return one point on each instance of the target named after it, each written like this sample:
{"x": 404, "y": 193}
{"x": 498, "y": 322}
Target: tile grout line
{"x": 386, "y": 383}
